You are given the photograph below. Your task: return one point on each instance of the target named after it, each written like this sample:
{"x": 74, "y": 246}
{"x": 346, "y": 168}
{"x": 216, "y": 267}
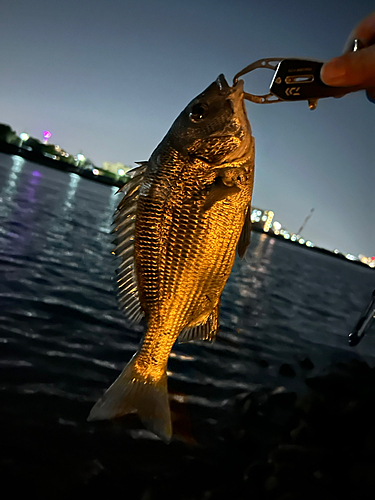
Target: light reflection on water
{"x": 17, "y": 165}
{"x": 71, "y": 191}
{"x": 9, "y": 189}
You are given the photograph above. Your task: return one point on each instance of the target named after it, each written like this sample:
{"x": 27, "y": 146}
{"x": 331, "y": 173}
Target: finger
{"x": 351, "y": 69}
{"x": 365, "y": 31}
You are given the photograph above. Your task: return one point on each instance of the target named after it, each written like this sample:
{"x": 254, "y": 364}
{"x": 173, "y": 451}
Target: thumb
{"x": 351, "y": 69}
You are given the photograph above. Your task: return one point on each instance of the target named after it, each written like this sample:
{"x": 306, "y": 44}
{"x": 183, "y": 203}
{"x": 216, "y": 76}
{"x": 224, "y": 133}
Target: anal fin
{"x": 203, "y": 331}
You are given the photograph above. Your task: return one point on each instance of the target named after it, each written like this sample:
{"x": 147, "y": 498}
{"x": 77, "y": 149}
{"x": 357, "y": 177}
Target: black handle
{"x": 299, "y": 80}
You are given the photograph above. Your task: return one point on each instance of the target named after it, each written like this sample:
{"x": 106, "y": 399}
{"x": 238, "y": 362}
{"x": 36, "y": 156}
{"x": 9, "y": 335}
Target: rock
{"x": 301, "y": 456}
{"x": 271, "y": 483}
{"x": 301, "y": 434}
{"x": 283, "y": 399}
{"x": 362, "y": 475}
{"x": 306, "y": 364}
{"x": 286, "y": 370}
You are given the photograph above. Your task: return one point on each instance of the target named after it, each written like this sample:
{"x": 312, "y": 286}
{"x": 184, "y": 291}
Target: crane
{"x": 305, "y": 221}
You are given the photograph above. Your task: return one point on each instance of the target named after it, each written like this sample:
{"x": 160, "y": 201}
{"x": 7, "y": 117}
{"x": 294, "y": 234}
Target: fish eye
{"x": 198, "y": 112}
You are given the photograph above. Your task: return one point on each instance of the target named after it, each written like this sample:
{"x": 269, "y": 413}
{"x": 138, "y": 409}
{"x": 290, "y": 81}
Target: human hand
{"x": 355, "y": 69}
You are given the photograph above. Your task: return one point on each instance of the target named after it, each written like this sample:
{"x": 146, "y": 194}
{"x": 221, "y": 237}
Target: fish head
{"x": 214, "y": 126}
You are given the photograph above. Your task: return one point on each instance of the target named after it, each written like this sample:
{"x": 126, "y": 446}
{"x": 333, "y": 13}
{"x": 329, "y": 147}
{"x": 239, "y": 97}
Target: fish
{"x": 184, "y": 213}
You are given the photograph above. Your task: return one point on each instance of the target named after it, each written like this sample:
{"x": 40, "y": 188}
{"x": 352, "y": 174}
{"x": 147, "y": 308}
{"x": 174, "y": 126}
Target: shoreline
{"x": 279, "y": 445}
{"x": 12, "y": 149}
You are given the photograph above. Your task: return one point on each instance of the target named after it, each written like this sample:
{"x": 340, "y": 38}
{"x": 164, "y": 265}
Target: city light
{"x": 350, "y": 256}
{"x": 95, "y": 171}
{"x": 80, "y": 157}
{"x": 268, "y": 222}
{"x": 24, "y": 137}
{"x": 370, "y": 261}
{"x": 255, "y": 215}
{"x": 48, "y": 155}
{"x": 121, "y": 172}
{"x": 262, "y": 219}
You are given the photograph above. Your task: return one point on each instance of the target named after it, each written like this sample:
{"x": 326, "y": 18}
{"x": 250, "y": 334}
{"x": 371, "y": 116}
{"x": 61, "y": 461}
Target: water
{"x": 63, "y": 339}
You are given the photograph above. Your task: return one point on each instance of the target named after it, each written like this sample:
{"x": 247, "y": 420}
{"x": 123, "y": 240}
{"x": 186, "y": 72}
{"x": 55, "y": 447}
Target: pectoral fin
{"x": 245, "y": 236}
{"x": 219, "y": 191}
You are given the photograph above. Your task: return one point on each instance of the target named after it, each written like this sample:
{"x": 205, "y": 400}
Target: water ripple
{"x": 62, "y": 334}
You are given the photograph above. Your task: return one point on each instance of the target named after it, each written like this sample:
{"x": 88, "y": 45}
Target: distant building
{"x": 370, "y": 261}
{"x": 116, "y": 168}
{"x": 262, "y": 219}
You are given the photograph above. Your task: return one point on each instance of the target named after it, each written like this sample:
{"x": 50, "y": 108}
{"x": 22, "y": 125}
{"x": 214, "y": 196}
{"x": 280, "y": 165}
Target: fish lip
{"x": 238, "y": 87}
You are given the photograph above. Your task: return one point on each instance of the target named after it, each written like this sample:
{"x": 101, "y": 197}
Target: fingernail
{"x": 333, "y": 72}
{"x": 353, "y": 44}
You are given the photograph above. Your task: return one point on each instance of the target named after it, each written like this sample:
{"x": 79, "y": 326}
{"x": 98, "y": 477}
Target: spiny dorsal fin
{"x": 124, "y": 231}
{"x": 245, "y": 236}
{"x": 132, "y": 173}
{"x": 204, "y": 331}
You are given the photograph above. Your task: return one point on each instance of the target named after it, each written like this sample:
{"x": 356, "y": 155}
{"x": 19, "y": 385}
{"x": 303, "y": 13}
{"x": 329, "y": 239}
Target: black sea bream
{"x": 177, "y": 228}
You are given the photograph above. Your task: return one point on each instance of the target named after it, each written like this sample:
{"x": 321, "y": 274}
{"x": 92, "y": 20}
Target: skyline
{"x": 108, "y": 81}
{"x": 263, "y": 220}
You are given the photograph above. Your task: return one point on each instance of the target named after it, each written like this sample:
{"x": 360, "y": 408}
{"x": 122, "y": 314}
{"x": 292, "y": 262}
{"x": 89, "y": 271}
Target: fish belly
{"x": 184, "y": 256}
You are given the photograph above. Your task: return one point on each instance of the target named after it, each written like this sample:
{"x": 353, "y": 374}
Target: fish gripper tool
{"x": 295, "y": 80}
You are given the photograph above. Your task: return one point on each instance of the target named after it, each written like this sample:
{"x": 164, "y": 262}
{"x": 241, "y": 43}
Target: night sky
{"x": 108, "y": 78}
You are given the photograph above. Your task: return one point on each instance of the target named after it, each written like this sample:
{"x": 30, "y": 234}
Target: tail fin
{"x": 132, "y": 393}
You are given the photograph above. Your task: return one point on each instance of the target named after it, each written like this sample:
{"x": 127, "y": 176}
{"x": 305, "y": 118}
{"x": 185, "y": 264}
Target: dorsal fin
{"x": 204, "y": 331}
{"x": 124, "y": 230}
{"x": 245, "y": 236}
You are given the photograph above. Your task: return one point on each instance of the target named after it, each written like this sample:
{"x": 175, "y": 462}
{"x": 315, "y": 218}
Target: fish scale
{"x": 182, "y": 272}
{"x": 179, "y": 247}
